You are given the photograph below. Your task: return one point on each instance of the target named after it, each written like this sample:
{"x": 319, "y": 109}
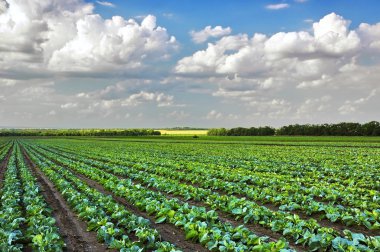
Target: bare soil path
{"x": 3, "y": 166}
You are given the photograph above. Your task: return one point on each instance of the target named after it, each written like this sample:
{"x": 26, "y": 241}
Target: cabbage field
{"x": 185, "y": 194}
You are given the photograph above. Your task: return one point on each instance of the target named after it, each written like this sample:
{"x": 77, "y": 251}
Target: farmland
{"x": 182, "y": 132}
{"x": 173, "y": 193}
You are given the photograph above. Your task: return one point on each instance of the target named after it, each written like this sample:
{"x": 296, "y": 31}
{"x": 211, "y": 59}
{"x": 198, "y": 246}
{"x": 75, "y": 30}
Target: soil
{"x": 71, "y": 228}
{"x": 3, "y": 166}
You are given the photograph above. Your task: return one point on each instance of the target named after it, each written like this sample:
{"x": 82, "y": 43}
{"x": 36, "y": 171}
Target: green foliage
{"x": 339, "y": 129}
{"x": 337, "y": 184}
{"x": 79, "y": 132}
{"x": 290, "y": 184}
{"x": 261, "y": 131}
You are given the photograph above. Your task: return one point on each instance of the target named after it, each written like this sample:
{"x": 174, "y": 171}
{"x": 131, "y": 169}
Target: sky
{"x": 215, "y": 63}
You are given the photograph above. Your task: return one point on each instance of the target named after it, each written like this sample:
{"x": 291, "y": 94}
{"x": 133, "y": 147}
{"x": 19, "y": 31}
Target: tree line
{"x": 339, "y": 129}
{"x": 240, "y": 131}
{"x": 78, "y": 132}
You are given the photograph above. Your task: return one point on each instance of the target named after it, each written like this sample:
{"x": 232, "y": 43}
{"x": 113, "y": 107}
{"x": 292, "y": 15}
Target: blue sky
{"x": 242, "y": 16}
{"x": 150, "y": 63}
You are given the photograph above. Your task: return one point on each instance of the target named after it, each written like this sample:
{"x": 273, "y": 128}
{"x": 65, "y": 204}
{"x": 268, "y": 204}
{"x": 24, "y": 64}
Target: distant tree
{"x": 78, "y": 132}
{"x": 240, "y": 131}
{"x": 217, "y": 132}
{"x": 338, "y": 129}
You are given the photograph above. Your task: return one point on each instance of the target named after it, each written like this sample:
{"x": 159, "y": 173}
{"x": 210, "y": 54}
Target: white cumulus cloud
{"x": 113, "y": 44}
{"x": 45, "y": 38}
{"x": 330, "y": 46}
{"x": 285, "y": 75}
{"x": 203, "y": 35}
{"x": 161, "y": 99}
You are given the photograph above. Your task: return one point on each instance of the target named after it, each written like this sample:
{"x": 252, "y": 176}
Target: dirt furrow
{"x": 72, "y": 229}
{"x": 3, "y": 166}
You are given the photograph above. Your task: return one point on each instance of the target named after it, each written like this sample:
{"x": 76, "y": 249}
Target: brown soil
{"x": 168, "y": 231}
{"x": 72, "y": 229}
{"x": 3, "y": 166}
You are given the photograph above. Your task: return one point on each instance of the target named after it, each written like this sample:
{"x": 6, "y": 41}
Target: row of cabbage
{"x": 348, "y": 205}
{"x": 305, "y": 232}
{"x": 115, "y": 226}
{"x": 25, "y": 218}
{"x": 199, "y": 225}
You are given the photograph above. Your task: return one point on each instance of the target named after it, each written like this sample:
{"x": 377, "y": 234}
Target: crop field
{"x": 168, "y": 194}
{"x": 183, "y": 132}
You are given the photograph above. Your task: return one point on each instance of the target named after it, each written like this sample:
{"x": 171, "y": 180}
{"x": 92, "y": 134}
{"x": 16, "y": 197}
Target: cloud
{"x": 69, "y": 105}
{"x": 161, "y": 99}
{"x": 115, "y": 44}
{"x": 370, "y": 36}
{"x": 119, "y": 95}
{"x": 57, "y": 38}
{"x": 323, "y": 80}
{"x": 3, "y": 6}
{"x": 51, "y": 51}
{"x": 213, "y": 114}
{"x": 307, "y": 56}
{"x": 282, "y": 76}
{"x": 213, "y": 58}
{"x": 352, "y": 106}
{"x": 301, "y": 1}
{"x": 105, "y": 3}
{"x": 168, "y": 15}
{"x": 32, "y": 30}
{"x": 203, "y": 35}
{"x": 178, "y": 115}
{"x": 277, "y": 6}
{"x": 312, "y": 107}
{"x": 52, "y": 113}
